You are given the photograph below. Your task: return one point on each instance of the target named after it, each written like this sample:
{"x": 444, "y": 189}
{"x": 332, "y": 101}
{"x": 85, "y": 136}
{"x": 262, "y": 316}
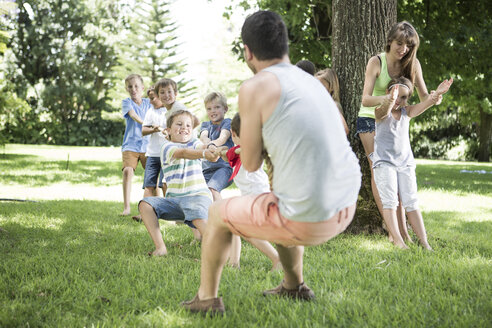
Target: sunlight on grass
{"x": 449, "y": 201}
{"x": 372, "y": 245}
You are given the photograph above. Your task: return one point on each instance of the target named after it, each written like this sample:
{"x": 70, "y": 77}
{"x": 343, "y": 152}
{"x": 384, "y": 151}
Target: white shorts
{"x": 391, "y": 181}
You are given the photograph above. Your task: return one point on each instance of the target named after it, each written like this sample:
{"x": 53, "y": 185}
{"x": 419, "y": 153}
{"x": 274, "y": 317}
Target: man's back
{"x": 316, "y": 173}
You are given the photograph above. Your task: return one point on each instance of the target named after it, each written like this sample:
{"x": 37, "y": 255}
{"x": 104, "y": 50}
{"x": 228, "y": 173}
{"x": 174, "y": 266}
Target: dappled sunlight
{"x": 372, "y": 245}
{"x": 162, "y": 318}
{"x": 432, "y": 200}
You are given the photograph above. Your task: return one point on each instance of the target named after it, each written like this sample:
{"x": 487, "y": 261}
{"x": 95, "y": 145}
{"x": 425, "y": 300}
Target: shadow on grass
{"x": 450, "y": 178}
{"x": 79, "y": 259}
{"x": 37, "y": 172}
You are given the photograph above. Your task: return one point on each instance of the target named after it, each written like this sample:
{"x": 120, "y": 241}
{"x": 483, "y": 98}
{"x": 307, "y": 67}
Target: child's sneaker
{"x": 301, "y": 292}
{"x": 213, "y": 306}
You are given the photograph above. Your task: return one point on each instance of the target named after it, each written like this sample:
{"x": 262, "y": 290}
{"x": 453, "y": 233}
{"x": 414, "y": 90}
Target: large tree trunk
{"x": 485, "y": 137}
{"x": 359, "y": 32}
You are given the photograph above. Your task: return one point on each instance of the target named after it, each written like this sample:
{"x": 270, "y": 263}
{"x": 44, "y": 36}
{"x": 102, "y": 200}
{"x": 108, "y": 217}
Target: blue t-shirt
{"x": 133, "y": 139}
{"x": 213, "y": 133}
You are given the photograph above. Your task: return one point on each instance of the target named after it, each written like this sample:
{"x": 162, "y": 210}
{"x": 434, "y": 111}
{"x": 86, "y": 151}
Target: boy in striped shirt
{"x": 187, "y": 197}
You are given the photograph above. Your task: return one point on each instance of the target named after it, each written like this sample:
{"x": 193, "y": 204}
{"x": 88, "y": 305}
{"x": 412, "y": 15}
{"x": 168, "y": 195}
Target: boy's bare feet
{"x": 426, "y": 246}
{"x": 401, "y": 246}
{"x": 125, "y": 213}
{"x": 159, "y": 252}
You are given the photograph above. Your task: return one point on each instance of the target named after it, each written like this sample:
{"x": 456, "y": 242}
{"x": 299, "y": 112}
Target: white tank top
{"x": 316, "y": 173}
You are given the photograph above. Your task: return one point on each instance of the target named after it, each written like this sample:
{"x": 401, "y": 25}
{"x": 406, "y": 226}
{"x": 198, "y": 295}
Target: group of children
{"x": 192, "y": 169}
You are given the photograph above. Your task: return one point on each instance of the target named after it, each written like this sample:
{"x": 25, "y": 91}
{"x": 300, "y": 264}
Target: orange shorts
{"x": 131, "y": 158}
{"x": 258, "y": 216}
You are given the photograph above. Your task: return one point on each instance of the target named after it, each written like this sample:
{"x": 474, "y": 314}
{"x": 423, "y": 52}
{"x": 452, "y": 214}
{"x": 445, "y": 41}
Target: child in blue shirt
{"x": 213, "y": 134}
{"x": 134, "y": 144}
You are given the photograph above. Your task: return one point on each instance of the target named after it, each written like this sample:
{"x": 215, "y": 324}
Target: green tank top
{"x": 379, "y": 87}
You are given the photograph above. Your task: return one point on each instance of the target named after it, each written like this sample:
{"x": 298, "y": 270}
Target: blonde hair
{"x": 132, "y": 77}
{"x": 216, "y": 96}
{"x": 162, "y": 83}
{"x": 330, "y": 77}
{"x": 404, "y": 32}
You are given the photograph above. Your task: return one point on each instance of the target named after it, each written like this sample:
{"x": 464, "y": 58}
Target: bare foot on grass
{"x": 158, "y": 252}
{"x": 125, "y": 213}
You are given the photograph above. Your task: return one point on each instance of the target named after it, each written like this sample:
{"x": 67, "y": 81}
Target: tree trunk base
{"x": 367, "y": 219}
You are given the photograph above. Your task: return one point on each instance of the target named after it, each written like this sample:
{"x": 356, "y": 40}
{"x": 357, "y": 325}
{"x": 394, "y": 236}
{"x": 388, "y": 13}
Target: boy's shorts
{"x": 392, "y": 181}
{"x": 187, "y": 208}
{"x": 365, "y": 125}
{"x": 153, "y": 169}
{"x": 218, "y": 179}
{"x": 131, "y": 158}
{"x": 258, "y": 216}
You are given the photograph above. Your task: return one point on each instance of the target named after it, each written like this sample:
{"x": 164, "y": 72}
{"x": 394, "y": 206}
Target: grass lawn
{"x": 69, "y": 260}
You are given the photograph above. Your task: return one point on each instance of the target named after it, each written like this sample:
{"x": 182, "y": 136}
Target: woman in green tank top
{"x": 399, "y": 59}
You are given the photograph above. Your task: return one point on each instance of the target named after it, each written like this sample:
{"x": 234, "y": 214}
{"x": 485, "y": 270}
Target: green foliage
{"x": 309, "y": 26}
{"x": 65, "y": 51}
{"x": 455, "y": 41}
{"x": 149, "y": 45}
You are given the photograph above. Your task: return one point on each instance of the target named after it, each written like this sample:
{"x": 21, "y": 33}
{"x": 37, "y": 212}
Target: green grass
{"x": 76, "y": 263}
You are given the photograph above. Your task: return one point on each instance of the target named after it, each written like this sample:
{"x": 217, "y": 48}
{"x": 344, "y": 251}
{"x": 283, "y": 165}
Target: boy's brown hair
{"x": 236, "y": 124}
{"x": 216, "y": 96}
{"x": 132, "y": 77}
{"x": 162, "y": 83}
{"x": 178, "y": 112}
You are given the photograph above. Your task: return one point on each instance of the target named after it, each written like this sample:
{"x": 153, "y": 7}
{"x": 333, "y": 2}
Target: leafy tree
{"x": 65, "y": 49}
{"x": 309, "y": 27}
{"x": 456, "y": 41}
{"x": 150, "y": 45}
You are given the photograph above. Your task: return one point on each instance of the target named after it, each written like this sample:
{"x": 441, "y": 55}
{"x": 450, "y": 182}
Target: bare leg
{"x": 215, "y": 251}
{"x": 417, "y": 223}
{"x": 127, "y": 188}
{"x": 197, "y": 235}
{"x": 402, "y": 223}
{"x": 149, "y": 192}
{"x": 291, "y": 259}
{"x": 152, "y": 224}
{"x": 266, "y": 248}
{"x": 389, "y": 216}
{"x": 367, "y": 140}
{"x": 235, "y": 253}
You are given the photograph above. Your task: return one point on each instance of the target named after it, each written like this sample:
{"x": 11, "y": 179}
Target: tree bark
{"x": 485, "y": 136}
{"x": 359, "y": 32}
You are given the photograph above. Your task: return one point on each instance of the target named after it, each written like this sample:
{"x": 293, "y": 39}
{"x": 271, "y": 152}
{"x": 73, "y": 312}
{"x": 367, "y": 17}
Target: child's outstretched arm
{"x": 434, "y": 98}
{"x": 150, "y": 129}
{"x": 222, "y": 139}
{"x": 135, "y": 116}
{"x": 189, "y": 153}
{"x": 389, "y": 101}
{"x": 204, "y": 137}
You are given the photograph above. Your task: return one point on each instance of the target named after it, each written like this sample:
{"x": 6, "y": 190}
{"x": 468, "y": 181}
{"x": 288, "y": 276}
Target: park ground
{"x": 68, "y": 260}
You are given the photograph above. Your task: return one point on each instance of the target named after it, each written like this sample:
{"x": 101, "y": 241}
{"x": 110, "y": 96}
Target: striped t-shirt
{"x": 183, "y": 177}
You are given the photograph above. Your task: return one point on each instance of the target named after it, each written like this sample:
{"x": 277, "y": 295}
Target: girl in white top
{"x": 394, "y": 165}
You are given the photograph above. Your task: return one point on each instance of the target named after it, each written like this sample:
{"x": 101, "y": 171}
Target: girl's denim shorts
{"x": 365, "y": 125}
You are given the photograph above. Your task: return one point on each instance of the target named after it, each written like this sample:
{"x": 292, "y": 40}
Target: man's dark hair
{"x": 265, "y": 34}
{"x": 306, "y": 66}
{"x": 236, "y": 124}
